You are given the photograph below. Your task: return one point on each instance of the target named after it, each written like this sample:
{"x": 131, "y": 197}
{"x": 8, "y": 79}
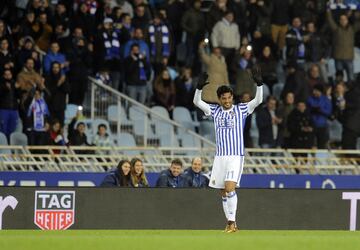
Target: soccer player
{"x": 229, "y": 121}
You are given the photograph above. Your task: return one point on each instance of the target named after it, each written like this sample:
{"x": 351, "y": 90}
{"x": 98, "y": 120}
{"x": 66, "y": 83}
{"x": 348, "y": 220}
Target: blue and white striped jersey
{"x": 229, "y": 127}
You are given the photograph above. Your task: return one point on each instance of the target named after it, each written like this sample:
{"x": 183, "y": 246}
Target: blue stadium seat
{"x": 18, "y": 139}
{"x": 70, "y": 112}
{"x": 182, "y": 115}
{"x": 113, "y": 115}
{"x": 127, "y": 140}
{"x": 137, "y": 114}
{"x": 161, "y": 111}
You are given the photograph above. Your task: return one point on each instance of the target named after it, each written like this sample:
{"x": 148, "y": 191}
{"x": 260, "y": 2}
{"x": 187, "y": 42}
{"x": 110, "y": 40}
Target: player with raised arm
{"x": 229, "y": 121}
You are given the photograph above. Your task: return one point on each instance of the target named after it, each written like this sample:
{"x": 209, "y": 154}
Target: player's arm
{"x": 203, "y": 80}
{"x": 257, "y": 77}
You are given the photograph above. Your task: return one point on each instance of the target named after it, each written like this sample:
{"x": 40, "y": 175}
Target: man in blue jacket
{"x": 320, "y": 108}
{"x": 195, "y": 174}
{"x": 173, "y": 177}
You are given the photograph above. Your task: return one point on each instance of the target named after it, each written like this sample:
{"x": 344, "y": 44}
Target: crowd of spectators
{"x": 153, "y": 50}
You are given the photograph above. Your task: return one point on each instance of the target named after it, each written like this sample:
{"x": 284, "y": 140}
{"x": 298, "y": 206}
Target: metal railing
{"x": 102, "y": 97}
{"x": 99, "y": 159}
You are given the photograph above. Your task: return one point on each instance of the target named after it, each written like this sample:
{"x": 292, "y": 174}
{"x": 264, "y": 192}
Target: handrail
{"x": 147, "y": 109}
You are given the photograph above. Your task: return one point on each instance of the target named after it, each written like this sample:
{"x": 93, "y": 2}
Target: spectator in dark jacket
{"x": 164, "y": 91}
{"x": 351, "y": 118}
{"x": 268, "y": 64}
{"x": 107, "y": 52}
{"x": 300, "y": 126}
{"x": 80, "y": 64}
{"x": 185, "y": 89}
{"x": 173, "y": 177}
{"x": 118, "y": 177}
{"x": 269, "y": 123}
{"x": 320, "y": 109}
{"x": 136, "y": 69}
{"x": 58, "y": 88}
{"x": 295, "y": 83}
{"x": 84, "y": 20}
{"x": 195, "y": 174}
{"x": 7, "y": 60}
{"x": 137, "y": 171}
{"x": 9, "y": 94}
{"x": 79, "y": 138}
{"x": 295, "y": 42}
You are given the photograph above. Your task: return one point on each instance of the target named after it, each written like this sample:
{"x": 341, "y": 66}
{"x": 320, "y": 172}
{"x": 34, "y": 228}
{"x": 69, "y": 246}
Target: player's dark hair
{"x": 224, "y": 89}
{"x": 177, "y": 161}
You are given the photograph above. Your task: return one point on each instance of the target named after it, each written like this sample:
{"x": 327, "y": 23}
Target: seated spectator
{"x": 56, "y": 135}
{"x": 269, "y": 123}
{"x": 58, "y": 88}
{"x": 320, "y": 108}
{"x": 37, "y": 116}
{"x": 137, "y": 171}
{"x": 102, "y": 138}
{"x": 55, "y": 56}
{"x": 195, "y": 174}
{"x": 172, "y": 177}
{"x": 301, "y": 128}
{"x": 79, "y": 138}
{"x": 185, "y": 89}
{"x": 118, "y": 177}
{"x": 28, "y": 78}
{"x": 9, "y": 95}
{"x": 137, "y": 71}
{"x": 164, "y": 91}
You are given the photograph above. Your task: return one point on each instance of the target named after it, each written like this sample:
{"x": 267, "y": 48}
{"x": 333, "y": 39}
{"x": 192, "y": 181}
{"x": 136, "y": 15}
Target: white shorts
{"x": 226, "y": 168}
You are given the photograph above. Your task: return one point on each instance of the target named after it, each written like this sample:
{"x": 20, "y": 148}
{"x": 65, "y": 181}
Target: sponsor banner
{"x": 54, "y": 210}
{"x": 76, "y": 179}
{"x": 169, "y": 208}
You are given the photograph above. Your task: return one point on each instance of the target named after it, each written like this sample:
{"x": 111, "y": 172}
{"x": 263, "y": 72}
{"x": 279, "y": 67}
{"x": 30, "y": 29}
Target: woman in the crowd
{"x": 119, "y": 177}
{"x": 137, "y": 172}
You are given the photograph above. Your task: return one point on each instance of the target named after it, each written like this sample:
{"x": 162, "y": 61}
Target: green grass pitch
{"x": 177, "y": 240}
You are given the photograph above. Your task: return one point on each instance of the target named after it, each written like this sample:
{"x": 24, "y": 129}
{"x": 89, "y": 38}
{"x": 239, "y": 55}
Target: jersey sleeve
{"x": 244, "y": 107}
{"x": 213, "y": 108}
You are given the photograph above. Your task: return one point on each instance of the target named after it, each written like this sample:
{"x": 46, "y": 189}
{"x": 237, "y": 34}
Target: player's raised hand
{"x": 202, "y": 81}
{"x": 256, "y": 75}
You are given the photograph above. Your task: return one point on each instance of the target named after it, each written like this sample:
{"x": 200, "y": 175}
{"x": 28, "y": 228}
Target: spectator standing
{"x": 217, "y": 70}
{"x": 54, "y": 55}
{"x": 81, "y": 60}
{"x": 270, "y": 124}
{"x": 137, "y": 70}
{"x": 160, "y": 41}
{"x": 295, "y": 43}
{"x": 118, "y": 177}
{"x": 320, "y": 109}
{"x": 107, "y": 52}
{"x": 164, "y": 91}
{"x": 295, "y": 83}
{"x": 226, "y": 36}
{"x": 28, "y": 78}
{"x": 138, "y": 38}
{"x": 195, "y": 174}
{"x": 137, "y": 172}
{"x": 9, "y": 95}
{"x": 285, "y": 109}
{"x": 193, "y": 24}
{"x": 7, "y": 60}
{"x": 242, "y": 64}
{"x": 141, "y": 18}
{"x": 343, "y": 43}
{"x": 38, "y": 114}
{"x": 216, "y": 12}
{"x": 351, "y": 118}
{"x": 314, "y": 78}
{"x": 84, "y": 20}
{"x": 42, "y": 32}
{"x": 59, "y": 88}
{"x": 301, "y": 128}
{"x": 268, "y": 64}
{"x": 173, "y": 177}
{"x": 185, "y": 89}
{"x": 279, "y": 22}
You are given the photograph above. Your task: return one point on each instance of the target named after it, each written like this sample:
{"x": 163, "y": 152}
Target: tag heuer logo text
{"x": 54, "y": 210}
